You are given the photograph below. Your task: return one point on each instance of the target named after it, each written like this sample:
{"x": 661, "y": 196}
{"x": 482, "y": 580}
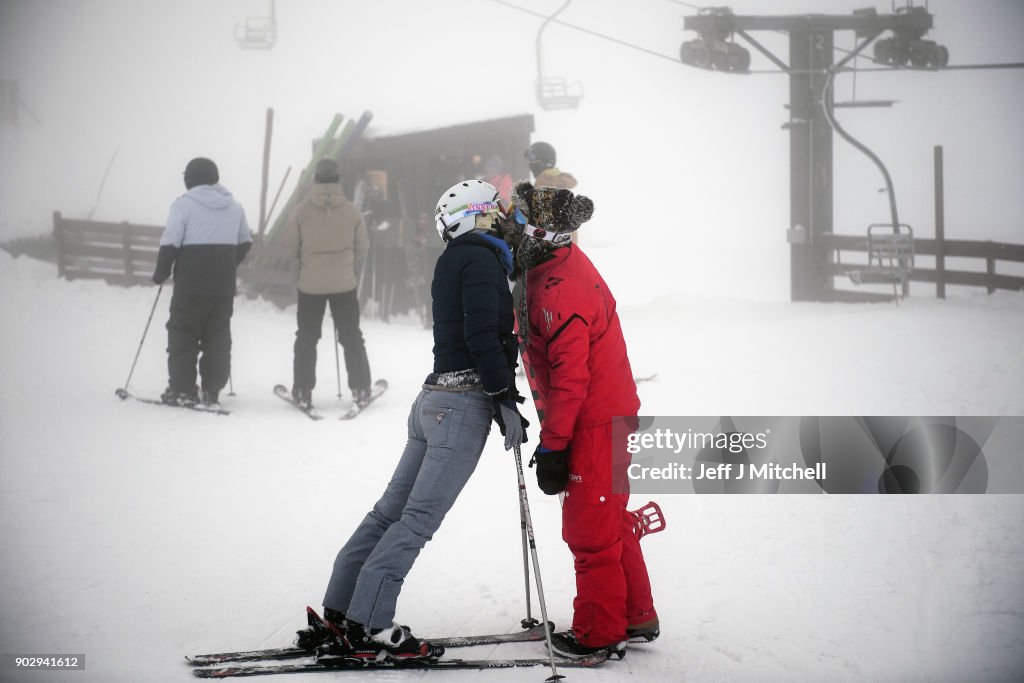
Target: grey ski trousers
{"x": 447, "y": 432}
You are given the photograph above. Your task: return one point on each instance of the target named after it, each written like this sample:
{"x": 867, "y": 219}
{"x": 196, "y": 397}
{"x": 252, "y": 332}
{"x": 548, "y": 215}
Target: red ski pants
{"x": 613, "y": 589}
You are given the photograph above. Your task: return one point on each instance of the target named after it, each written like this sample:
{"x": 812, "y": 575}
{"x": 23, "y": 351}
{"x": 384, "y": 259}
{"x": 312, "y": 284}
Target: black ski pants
{"x": 199, "y": 324}
{"x": 345, "y": 313}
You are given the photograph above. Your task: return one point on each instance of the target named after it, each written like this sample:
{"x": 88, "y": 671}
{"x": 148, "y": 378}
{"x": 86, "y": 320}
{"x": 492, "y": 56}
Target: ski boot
{"x": 644, "y": 631}
{"x": 303, "y": 398}
{"x": 179, "y": 398}
{"x": 320, "y": 631}
{"x": 361, "y": 397}
{"x": 566, "y": 644}
{"x": 210, "y": 399}
{"x": 359, "y": 645}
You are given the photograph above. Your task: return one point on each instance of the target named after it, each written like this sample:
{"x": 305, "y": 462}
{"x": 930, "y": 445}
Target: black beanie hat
{"x": 326, "y": 171}
{"x": 200, "y": 171}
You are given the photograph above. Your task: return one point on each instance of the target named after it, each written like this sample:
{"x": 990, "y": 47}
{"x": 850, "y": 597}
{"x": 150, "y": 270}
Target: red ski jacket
{"x": 575, "y": 353}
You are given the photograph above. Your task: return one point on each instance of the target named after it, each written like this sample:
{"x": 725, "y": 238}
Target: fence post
{"x": 266, "y": 172}
{"x": 126, "y": 246}
{"x": 58, "y": 239}
{"x": 940, "y": 228}
{"x": 990, "y": 268}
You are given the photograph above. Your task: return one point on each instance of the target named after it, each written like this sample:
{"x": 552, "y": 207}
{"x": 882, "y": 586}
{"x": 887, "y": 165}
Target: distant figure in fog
{"x": 495, "y": 174}
{"x": 205, "y": 239}
{"x": 328, "y": 236}
{"x": 541, "y": 158}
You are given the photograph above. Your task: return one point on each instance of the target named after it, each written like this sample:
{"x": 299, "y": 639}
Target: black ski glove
{"x": 552, "y": 469}
{"x": 241, "y": 251}
{"x": 164, "y": 263}
{"x": 510, "y": 421}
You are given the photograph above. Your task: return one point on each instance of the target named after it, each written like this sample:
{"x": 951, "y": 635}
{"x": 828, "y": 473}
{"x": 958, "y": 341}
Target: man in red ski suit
{"x": 580, "y": 374}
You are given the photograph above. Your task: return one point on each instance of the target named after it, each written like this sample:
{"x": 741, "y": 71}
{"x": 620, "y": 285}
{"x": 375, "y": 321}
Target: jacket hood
{"x": 211, "y": 196}
{"x": 555, "y": 177}
{"x": 327, "y": 195}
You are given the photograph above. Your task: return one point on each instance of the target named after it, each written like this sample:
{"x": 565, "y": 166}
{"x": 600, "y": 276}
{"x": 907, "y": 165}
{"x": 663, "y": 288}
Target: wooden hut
{"x": 397, "y": 178}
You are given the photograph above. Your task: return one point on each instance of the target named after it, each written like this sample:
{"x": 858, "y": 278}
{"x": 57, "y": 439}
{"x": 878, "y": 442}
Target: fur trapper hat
{"x": 551, "y": 215}
{"x": 552, "y": 208}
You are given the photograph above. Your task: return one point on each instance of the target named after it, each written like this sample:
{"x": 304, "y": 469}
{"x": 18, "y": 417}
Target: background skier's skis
{"x": 281, "y": 391}
{"x": 379, "y": 387}
{"x": 199, "y": 407}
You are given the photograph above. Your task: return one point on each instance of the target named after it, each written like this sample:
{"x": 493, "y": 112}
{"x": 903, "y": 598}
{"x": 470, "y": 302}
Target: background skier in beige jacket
{"x": 328, "y": 236}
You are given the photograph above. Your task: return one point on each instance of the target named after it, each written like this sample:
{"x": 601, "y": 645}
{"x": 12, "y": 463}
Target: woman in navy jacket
{"x": 472, "y": 382}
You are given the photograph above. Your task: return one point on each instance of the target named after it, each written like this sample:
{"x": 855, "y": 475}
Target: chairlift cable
{"x": 892, "y": 69}
{"x": 689, "y": 4}
{"x": 951, "y": 67}
{"x": 674, "y": 59}
{"x": 587, "y": 30}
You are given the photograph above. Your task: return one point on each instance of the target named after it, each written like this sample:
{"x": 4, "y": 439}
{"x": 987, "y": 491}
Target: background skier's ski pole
{"x": 337, "y": 363}
{"x": 525, "y": 503}
{"x": 131, "y": 372}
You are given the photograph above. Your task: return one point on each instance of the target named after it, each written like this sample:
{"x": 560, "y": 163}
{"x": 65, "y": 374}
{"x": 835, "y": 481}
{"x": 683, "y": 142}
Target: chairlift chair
{"x": 890, "y": 256}
{"x": 257, "y": 33}
{"x": 553, "y": 92}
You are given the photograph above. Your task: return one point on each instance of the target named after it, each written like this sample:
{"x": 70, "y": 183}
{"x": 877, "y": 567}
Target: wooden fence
{"x": 125, "y": 254}
{"x": 991, "y": 252}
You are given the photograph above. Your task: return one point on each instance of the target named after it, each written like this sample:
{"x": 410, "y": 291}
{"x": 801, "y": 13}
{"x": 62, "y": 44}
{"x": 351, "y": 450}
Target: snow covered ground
{"x": 138, "y": 534}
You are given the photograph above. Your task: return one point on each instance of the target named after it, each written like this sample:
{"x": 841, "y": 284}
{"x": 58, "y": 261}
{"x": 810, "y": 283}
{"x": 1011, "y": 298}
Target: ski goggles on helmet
{"x": 485, "y": 210}
{"x": 556, "y": 238}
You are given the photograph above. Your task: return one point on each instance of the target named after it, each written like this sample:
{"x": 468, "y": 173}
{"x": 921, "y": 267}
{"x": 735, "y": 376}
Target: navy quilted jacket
{"x": 472, "y": 306}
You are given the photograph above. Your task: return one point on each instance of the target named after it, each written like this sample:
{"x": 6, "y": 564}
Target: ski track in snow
{"x": 182, "y": 533}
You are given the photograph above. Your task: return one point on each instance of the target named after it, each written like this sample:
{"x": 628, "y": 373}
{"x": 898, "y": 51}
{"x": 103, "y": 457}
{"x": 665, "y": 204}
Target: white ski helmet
{"x": 460, "y": 208}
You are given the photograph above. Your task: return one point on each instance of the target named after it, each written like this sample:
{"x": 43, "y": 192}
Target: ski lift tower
{"x": 811, "y": 63}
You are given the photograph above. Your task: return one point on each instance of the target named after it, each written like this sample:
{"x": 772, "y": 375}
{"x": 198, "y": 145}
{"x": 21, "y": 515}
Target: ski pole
{"x": 337, "y": 363}
{"x": 336, "y": 338}
{"x": 529, "y": 621}
{"x": 123, "y": 392}
{"x": 525, "y": 503}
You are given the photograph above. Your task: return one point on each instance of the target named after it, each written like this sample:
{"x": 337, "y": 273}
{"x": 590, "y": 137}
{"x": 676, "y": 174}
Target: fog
{"x": 129, "y": 511}
{"x": 689, "y": 170}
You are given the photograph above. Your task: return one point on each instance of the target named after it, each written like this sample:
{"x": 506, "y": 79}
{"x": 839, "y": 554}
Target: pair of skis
{"x": 378, "y": 388}
{"x": 199, "y": 407}
{"x": 235, "y": 660}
